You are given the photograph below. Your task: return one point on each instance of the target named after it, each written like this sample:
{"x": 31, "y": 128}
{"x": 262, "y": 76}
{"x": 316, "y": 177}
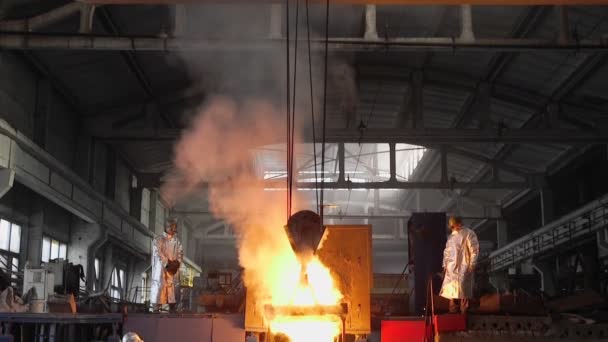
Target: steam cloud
{"x": 215, "y": 151}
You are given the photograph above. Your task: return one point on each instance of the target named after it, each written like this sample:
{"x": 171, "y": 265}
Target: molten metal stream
{"x": 313, "y": 312}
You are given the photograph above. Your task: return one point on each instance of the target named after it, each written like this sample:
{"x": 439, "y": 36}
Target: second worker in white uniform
{"x": 459, "y": 261}
{"x": 167, "y": 257}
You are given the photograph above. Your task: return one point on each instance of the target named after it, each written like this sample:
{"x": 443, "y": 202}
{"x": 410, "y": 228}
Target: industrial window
{"x": 10, "y": 246}
{"x": 224, "y": 279}
{"x": 144, "y": 291}
{"x": 97, "y": 279}
{"x": 118, "y": 281}
{"x": 53, "y": 249}
{"x": 407, "y": 158}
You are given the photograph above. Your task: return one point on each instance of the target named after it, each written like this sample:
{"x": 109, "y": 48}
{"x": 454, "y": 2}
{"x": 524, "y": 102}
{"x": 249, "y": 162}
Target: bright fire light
{"x": 319, "y": 290}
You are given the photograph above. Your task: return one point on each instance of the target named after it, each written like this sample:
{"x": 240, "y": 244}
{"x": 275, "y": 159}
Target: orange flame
{"x": 318, "y": 290}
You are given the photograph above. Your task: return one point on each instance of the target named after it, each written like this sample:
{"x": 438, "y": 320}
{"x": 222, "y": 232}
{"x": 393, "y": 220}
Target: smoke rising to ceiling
{"x": 246, "y": 108}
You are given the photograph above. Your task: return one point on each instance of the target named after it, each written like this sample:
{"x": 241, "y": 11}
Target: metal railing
{"x": 581, "y": 223}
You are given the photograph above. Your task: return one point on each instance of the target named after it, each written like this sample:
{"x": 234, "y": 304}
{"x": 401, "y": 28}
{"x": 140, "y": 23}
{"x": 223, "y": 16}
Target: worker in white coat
{"x": 459, "y": 261}
{"x": 167, "y": 257}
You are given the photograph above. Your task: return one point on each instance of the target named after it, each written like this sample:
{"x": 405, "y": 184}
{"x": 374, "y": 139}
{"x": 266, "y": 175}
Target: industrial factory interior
{"x": 303, "y": 170}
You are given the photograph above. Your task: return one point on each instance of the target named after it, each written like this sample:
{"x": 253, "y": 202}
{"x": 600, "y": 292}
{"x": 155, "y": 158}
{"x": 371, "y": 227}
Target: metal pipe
{"x": 86, "y": 18}
{"x": 542, "y": 208}
{"x": 364, "y": 2}
{"x": 428, "y": 137}
{"x": 91, "y": 252}
{"x": 42, "y": 20}
{"x": 466, "y": 23}
{"x": 29, "y": 41}
{"x": 370, "y": 22}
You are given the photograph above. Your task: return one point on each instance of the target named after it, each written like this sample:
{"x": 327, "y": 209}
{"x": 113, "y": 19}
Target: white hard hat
{"x": 131, "y": 337}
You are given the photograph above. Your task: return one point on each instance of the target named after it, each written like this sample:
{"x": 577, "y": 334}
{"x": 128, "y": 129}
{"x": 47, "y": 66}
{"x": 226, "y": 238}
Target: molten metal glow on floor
{"x": 315, "y": 289}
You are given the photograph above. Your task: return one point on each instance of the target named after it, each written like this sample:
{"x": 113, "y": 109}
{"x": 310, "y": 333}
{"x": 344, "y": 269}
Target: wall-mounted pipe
{"x": 32, "y": 41}
{"x": 91, "y": 253}
{"x": 87, "y": 11}
{"x": 37, "y": 22}
{"x": 371, "y": 31}
{"x": 364, "y": 2}
{"x": 466, "y": 23}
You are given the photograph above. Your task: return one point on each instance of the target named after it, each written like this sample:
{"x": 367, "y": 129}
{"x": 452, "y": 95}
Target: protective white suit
{"x": 162, "y": 289}
{"x": 459, "y": 261}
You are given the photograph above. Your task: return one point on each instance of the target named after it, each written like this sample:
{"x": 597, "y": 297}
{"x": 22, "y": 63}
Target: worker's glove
{"x": 172, "y": 266}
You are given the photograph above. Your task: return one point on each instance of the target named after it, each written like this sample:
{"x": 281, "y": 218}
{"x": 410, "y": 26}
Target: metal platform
{"x": 581, "y": 223}
{"x": 186, "y": 327}
{"x": 64, "y": 327}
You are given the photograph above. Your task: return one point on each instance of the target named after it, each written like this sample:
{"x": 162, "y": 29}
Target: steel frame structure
{"x": 584, "y": 222}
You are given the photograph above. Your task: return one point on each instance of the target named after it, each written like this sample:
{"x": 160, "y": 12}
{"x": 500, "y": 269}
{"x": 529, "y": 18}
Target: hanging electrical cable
{"x": 362, "y": 126}
{"x": 293, "y": 110}
{"x": 312, "y": 110}
{"x": 288, "y": 94}
{"x": 324, "y": 109}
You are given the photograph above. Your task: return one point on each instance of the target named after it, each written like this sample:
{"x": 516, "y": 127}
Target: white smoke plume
{"x": 215, "y": 151}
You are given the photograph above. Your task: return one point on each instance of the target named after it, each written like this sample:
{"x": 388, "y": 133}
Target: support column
{"x": 85, "y": 240}
{"x": 35, "y": 228}
{"x": 591, "y": 268}
{"x": 547, "y": 272}
{"x": 152, "y": 215}
{"x": 466, "y": 23}
{"x": 546, "y": 205}
{"x": 341, "y": 157}
{"x": 87, "y": 11}
{"x": 108, "y": 265}
{"x": 392, "y": 162}
{"x": 501, "y": 233}
{"x": 370, "y": 22}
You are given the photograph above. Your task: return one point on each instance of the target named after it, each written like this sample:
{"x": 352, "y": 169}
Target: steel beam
{"x": 364, "y": 2}
{"x": 479, "y": 157}
{"x": 154, "y": 180}
{"x": 35, "y": 41}
{"x": 422, "y": 137}
{"x": 406, "y": 185}
{"x": 133, "y": 63}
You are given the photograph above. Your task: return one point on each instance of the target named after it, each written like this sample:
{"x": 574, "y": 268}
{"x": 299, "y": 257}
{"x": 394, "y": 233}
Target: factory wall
{"x": 30, "y": 104}
{"x": 17, "y": 93}
{"x": 578, "y": 183}
{"x": 122, "y": 185}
